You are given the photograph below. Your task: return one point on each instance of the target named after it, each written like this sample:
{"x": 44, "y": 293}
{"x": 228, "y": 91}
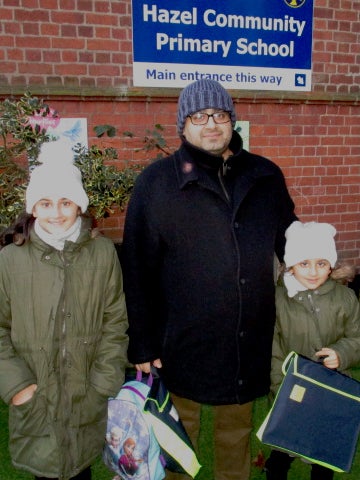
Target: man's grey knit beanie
{"x": 201, "y": 95}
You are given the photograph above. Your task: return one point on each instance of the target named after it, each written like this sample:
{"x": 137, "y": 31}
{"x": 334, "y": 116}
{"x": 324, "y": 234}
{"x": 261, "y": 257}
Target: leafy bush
{"x": 105, "y": 185}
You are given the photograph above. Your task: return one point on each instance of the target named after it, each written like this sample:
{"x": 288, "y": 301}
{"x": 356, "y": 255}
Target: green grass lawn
{"x": 299, "y": 470}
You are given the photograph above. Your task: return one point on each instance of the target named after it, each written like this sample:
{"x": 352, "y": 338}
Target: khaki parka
{"x": 63, "y": 327}
{"x": 326, "y": 317}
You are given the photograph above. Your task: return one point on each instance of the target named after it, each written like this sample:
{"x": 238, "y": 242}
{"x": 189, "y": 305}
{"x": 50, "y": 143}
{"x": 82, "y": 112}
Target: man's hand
{"x": 145, "y": 367}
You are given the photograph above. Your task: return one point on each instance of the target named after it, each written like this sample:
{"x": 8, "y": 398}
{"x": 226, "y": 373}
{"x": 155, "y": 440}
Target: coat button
{"x": 242, "y": 281}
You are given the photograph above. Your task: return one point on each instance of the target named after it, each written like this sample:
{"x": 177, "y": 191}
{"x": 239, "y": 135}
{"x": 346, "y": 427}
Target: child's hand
{"x": 24, "y": 395}
{"x": 331, "y": 359}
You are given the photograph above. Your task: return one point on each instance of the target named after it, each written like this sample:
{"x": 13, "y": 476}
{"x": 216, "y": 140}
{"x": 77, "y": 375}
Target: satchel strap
{"x": 287, "y": 361}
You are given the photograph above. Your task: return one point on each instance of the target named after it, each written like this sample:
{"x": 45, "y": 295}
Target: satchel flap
{"x": 317, "y": 374}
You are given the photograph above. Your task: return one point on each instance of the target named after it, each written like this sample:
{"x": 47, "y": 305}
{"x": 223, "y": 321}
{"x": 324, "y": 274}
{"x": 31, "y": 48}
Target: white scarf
{"x": 292, "y": 285}
{"x": 57, "y": 240}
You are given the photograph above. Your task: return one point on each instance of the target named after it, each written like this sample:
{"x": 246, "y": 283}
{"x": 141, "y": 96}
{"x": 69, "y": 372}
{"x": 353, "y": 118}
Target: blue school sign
{"x": 256, "y": 45}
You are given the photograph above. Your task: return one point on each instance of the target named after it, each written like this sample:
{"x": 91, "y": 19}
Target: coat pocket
{"x": 92, "y": 408}
{"x": 30, "y": 418}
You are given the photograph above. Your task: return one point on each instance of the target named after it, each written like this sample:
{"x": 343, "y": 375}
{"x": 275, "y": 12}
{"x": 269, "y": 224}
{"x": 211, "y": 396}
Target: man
{"x": 200, "y": 235}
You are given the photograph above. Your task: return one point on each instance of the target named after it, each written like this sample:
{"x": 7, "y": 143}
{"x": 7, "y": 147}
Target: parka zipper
{"x": 316, "y": 318}
{"x": 65, "y": 406}
{"x": 311, "y": 301}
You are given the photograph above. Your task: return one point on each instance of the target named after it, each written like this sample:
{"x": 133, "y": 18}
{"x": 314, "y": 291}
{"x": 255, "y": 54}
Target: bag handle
{"x": 286, "y": 363}
{"x": 150, "y": 376}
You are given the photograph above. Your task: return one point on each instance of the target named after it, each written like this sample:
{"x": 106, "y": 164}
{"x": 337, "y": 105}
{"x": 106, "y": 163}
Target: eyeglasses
{"x": 201, "y": 118}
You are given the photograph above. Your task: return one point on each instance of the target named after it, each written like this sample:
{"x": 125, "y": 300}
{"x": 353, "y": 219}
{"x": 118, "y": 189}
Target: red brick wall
{"x": 87, "y": 43}
{"x": 79, "y": 59}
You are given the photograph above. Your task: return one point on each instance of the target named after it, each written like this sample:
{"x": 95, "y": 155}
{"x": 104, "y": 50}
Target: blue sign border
{"x": 261, "y": 34}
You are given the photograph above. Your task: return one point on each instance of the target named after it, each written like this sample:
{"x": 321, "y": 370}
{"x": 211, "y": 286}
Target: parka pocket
{"x": 29, "y": 418}
{"x": 92, "y": 407}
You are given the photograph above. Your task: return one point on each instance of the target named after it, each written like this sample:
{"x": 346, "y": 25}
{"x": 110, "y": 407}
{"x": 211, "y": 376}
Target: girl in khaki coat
{"x": 316, "y": 316}
{"x": 63, "y": 326}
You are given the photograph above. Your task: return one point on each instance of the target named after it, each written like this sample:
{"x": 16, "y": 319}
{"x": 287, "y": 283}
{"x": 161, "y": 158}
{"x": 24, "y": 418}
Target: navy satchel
{"x": 314, "y": 404}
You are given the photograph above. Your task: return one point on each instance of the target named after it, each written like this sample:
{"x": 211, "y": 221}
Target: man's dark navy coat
{"x": 198, "y": 258}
